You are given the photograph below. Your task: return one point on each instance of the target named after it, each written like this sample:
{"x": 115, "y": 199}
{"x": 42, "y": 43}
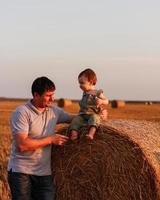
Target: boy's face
{"x": 45, "y": 99}
{"x": 84, "y": 84}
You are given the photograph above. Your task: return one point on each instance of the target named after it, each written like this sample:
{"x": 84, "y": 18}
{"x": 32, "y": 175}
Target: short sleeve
{"x": 19, "y": 122}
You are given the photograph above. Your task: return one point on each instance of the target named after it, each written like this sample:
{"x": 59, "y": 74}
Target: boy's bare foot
{"x": 90, "y": 137}
{"x": 74, "y": 136}
{"x": 91, "y": 133}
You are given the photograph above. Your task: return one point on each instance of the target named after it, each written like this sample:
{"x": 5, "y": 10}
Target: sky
{"x": 119, "y": 40}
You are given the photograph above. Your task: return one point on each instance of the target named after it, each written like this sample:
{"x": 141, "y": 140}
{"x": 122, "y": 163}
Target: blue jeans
{"x": 31, "y": 187}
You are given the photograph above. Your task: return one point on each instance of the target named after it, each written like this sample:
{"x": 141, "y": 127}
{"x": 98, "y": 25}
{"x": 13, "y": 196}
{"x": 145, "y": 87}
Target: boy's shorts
{"x": 82, "y": 120}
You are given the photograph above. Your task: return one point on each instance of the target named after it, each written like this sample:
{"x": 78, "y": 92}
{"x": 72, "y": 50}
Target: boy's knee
{"x": 94, "y": 121}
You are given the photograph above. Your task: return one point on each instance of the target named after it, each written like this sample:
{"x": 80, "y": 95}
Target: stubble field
{"x": 130, "y": 111}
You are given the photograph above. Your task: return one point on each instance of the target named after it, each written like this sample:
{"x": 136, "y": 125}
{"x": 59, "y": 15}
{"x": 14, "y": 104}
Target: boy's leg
{"x": 74, "y": 135}
{"x": 75, "y": 126}
{"x": 20, "y": 185}
{"x": 91, "y": 132}
{"x": 93, "y": 122}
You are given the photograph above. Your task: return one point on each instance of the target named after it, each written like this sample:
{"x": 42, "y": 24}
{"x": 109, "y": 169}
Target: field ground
{"x": 130, "y": 111}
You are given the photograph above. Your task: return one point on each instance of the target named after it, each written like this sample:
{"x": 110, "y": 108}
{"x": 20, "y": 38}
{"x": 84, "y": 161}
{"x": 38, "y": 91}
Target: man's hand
{"x": 58, "y": 139}
{"x": 99, "y": 102}
{"x": 103, "y": 114}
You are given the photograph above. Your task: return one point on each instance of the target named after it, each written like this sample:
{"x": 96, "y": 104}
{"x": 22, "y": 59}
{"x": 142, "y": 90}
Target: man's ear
{"x": 36, "y": 95}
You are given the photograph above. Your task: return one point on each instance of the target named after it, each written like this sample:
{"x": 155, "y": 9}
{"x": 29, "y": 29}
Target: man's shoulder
{"x": 21, "y": 108}
{"x": 20, "y": 112}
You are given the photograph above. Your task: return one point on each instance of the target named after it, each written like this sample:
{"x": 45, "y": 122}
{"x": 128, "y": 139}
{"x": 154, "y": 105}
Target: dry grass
{"x": 140, "y": 112}
{"x": 5, "y": 142}
{"x": 112, "y": 167}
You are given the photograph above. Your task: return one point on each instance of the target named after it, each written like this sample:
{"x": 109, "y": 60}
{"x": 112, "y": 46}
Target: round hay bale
{"x": 148, "y": 103}
{"x": 64, "y": 102}
{"x": 118, "y": 104}
{"x": 111, "y": 167}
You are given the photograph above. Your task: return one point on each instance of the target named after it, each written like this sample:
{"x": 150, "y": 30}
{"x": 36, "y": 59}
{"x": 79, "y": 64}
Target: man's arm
{"x": 25, "y": 143}
{"x": 102, "y": 102}
{"x": 71, "y": 116}
{"x": 63, "y": 116}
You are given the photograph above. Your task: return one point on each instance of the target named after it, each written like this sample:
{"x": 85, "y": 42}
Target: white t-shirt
{"x": 27, "y": 119}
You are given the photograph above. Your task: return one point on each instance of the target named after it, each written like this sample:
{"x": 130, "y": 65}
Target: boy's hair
{"x": 90, "y": 74}
{"x": 42, "y": 84}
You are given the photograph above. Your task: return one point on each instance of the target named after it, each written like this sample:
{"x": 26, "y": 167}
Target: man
{"x": 33, "y": 125}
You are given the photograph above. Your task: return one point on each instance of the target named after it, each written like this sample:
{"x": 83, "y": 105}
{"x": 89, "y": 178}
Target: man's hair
{"x": 42, "y": 84}
{"x": 90, "y": 75}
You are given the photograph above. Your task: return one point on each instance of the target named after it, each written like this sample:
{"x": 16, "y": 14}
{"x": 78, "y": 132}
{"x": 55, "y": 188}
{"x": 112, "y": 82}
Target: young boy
{"x": 92, "y": 103}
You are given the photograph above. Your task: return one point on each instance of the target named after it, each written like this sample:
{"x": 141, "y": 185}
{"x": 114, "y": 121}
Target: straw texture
{"x": 114, "y": 166}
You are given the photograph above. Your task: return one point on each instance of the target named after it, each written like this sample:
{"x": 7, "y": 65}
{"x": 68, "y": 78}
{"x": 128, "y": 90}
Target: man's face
{"x": 45, "y": 99}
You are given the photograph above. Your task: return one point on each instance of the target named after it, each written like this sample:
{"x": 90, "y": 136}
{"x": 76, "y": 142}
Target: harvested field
{"x": 117, "y": 119}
